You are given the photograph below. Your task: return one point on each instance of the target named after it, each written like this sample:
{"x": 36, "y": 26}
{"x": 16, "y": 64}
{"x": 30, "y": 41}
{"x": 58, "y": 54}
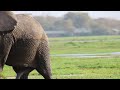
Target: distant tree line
{"x": 79, "y": 24}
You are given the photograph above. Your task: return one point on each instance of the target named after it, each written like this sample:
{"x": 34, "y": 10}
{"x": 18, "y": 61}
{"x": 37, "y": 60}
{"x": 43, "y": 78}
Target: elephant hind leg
{"x": 43, "y": 60}
{"x": 22, "y": 73}
{"x": 44, "y": 73}
{"x": 43, "y": 67}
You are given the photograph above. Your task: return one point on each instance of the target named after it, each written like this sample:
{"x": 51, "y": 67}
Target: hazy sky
{"x": 93, "y": 14}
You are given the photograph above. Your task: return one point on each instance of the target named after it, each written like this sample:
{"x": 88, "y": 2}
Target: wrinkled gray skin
{"x": 23, "y": 45}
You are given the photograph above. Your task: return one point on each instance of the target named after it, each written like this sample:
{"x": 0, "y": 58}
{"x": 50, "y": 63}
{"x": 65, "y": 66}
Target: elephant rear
{"x": 24, "y": 45}
{"x": 28, "y": 36}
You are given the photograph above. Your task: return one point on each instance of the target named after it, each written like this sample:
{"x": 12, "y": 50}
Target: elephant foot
{"x": 45, "y": 73}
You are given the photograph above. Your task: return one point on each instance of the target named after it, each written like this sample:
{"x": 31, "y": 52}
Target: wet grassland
{"x": 90, "y": 57}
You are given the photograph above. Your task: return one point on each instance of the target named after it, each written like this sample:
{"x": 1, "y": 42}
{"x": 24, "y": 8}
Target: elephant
{"x": 24, "y": 45}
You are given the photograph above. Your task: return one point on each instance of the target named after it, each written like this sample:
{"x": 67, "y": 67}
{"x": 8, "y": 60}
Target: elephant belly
{"x": 23, "y": 54}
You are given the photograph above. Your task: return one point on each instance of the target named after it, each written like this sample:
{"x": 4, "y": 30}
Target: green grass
{"x": 86, "y": 67}
{"x": 86, "y": 38}
{"x": 85, "y": 45}
{"x": 78, "y": 68}
{"x": 81, "y": 68}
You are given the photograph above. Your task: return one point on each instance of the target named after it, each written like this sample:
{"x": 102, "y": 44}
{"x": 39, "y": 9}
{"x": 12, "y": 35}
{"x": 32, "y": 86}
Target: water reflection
{"x": 87, "y": 55}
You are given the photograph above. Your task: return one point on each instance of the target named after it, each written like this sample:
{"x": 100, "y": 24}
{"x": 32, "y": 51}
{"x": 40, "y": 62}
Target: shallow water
{"x": 87, "y": 55}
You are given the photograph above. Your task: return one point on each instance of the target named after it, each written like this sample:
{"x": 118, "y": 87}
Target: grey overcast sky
{"x": 92, "y": 14}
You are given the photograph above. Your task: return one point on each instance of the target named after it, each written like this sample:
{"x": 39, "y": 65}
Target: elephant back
{"x": 28, "y": 28}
